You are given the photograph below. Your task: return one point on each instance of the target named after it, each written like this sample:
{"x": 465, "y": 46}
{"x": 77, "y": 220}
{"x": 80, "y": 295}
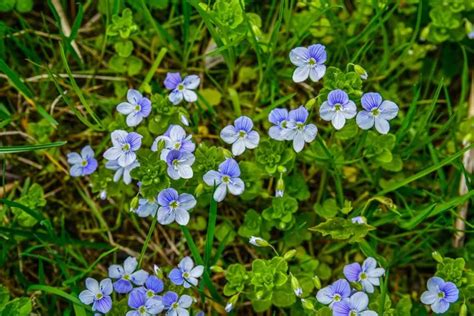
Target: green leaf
{"x": 25, "y": 148}
{"x": 329, "y": 208}
{"x": 343, "y": 229}
{"x": 283, "y": 297}
{"x": 124, "y": 48}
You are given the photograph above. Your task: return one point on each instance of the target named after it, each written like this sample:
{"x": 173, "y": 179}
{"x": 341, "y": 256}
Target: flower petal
{"x": 317, "y": 72}
{"x": 122, "y": 286}
{"x": 172, "y": 80}
{"x": 382, "y": 125}
{"x": 133, "y": 119}
{"x": 350, "y": 110}
{"x": 181, "y": 216}
{"x": 220, "y": 192}
{"x": 237, "y": 186}
{"x": 376, "y": 273}
{"x": 191, "y": 82}
{"x": 369, "y": 264}
{"x": 238, "y": 147}
{"x": 352, "y": 271}
{"x": 275, "y": 132}
{"x": 197, "y": 271}
{"x": 388, "y": 110}
{"x": 139, "y": 277}
{"x": 326, "y": 111}
{"x": 359, "y": 301}
{"x": 166, "y": 196}
{"x": 86, "y": 297}
{"x": 229, "y": 134}
{"x": 116, "y": 271}
{"x": 451, "y": 292}
{"x": 185, "y": 171}
{"x": 435, "y": 284}
{"x": 127, "y": 159}
{"x": 185, "y": 301}
{"x": 342, "y": 287}
{"x": 338, "y": 121}
{"x": 230, "y": 167}
{"x": 325, "y": 295}
{"x": 252, "y": 140}
{"x": 176, "y": 276}
{"x": 135, "y": 140}
{"x": 104, "y": 305}
{"x": 299, "y": 56}
{"x": 106, "y": 287}
{"x": 186, "y": 201}
{"x": 370, "y": 100}
{"x": 76, "y": 171}
{"x": 87, "y": 152}
{"x": 243, "y": 123}
{"x": 113, "y": 153}
{"x": 125, "y": 108}
{"x": 440, "y": 306}
{"x": 175, "y": 97}
{"x": 165, "y": 216}
{"x": 136, "y": 298}
{"x": 177, "y": 133}
{"x": 212, "y": 177}
{"x": 118, "y": 137}
{"x": 299, "y": 115}
{"x": 365, "y": 119}
{"x": 133, "y": 96}
{"x": 92, "y": 285}
{"x": 298, "y": 142}
{"x": 276, "y": 116}
{"x": 301, "y": 73}
{"x": 189, "y": 95}
{"x": 74, "y": 158}
{"x": 318, "y": 52}
{"x": 130, "y": 264}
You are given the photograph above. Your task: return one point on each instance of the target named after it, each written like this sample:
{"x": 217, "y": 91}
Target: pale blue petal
{"x": 301, "y": 73}
{"x": 365, "y": 119}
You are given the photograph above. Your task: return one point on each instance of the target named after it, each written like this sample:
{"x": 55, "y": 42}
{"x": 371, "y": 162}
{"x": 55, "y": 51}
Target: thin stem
{"x": 147, "y": 240}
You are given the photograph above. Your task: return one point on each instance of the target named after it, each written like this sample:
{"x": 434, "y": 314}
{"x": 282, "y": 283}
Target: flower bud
{"x": 317, "y": 282}
{"x": 437, "y": 256}
{"x": 157, "y": 271}
{"x": 361, "y": 72}
{"x": 103, "y": 195}
{"x": 463, "y": 310}
{"x": 281, "y": 169}
{"x": 280, "y": 188}
{"x": 295, "y": 285}
{"x": 184, "y": 119}
{"x": 289, "y": 254}
{"x": 307, "y": 304}
{"x": 309, "y": 105}
{"x": 259, "y": 242}
{"x": 217, "y": 269}
{"x": 134, "y": 204}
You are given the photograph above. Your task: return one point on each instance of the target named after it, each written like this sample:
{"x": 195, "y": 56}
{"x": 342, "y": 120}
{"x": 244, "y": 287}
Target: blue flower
{"x": 174, "y": 138}
{"x": 240, "y": 135}
{"x": 440, "y": 294}
{"x": 142, "y": 305}
{"x": 82, "y": 164}
{"x": 367, "y": 275}
{"x": 334, "y": 293}
{"x": 121, "y": 171}
{"x": 126, "y": 275}
{"x": 226, "y": 178}
{"x": 338, "y": 108}
{"x": 175, "y": 305}
{"x": 137, "y": 108}
{"x": 181, "y": 89}
{"x": 146, "y": 208}
{"x": 186, "y": 273}
{"x": 153, "y": 286}
{"x": 124, "y": 147}
{"x": 174, "y": 207}
{"x": 376, "y": 112}
{"x": 279, "y": 118}
{"x": 98, "y": 295}
{"x": 297, "y": 130}
{"x": 309, "y": 61}
{"x": 356, "y": 305}
{"x": 179, "y": 164}
{"x": 359, "y": 220}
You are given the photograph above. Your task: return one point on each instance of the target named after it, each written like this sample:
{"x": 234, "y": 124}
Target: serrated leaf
{"x": 343, "y": 229}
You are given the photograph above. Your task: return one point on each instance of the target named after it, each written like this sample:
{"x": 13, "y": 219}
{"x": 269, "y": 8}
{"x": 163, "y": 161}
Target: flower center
{"x": 441, "y": 294}
{"x": 175, "y": 305}
{"x": 98, "y": 296}
{"x": 375, "y": 112}
{"x": 126, "y": 147}
{"x": 126, "y": 277}
{"x": 150, "y": 293}
{"x": 180, "y": 87}
{"x": 337, "y": 297}
{"x": 175, "y": 163}
{"x": 174, "y": 204}
{"x": 84, "y": 163}
{"x": 312, "y": 61}
{"x": 137, "y": 108}
{"x": 353, "y": 313}
{"x": 226, "y": 179}
{"x": 142, "y": 310}
{"x": 338, "y": 107}
{"x": 185, "y": 275}
{"x": 299, "y": 126}
{"x": 177, "y": 145}
{"x": 283, "y": 124}
{"x": 363, "y": 276}
{"x": 242, "y": 134}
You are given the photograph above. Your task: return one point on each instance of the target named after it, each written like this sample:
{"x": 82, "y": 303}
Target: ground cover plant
{"x": 166, "y": 157}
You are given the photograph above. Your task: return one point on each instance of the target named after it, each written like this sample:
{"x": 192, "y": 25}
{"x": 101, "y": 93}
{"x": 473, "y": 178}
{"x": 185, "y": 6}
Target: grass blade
{"x": 26, "y": 148}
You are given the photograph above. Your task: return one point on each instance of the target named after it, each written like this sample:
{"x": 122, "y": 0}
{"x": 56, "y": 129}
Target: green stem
{"x": 211, "y": 227}
{"x": 147, "y": 240}
{"x": 155, "y": 65}
{"x": 336, "y": 173}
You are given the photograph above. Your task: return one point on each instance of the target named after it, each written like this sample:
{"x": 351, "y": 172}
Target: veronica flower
{"x": 359, "y": 220}
{"x": 175, "y": 305}
{"x": 334, "y": 293}
{"x": 124, "y": 147}
{"x": 137, "y": 108}
{"x": 142, "y": 305}
{"x": 126, "y": 275}
{"x": 98, "y": 295}
{"x": 181, "y": 89}
{"x": 279, "y": 118}
{"x": 297, "y": 130}
{"x": 440, "y": 294}
{"x": 226, "y": 178}
{"x": 367, "y": 275}
{"x": 174, "y": 207}
{"x": 121, "y": 171}
{"x": 174, "y": 139}
{"x": 338, "y": 108}
{"x": 153, "y": 286}
{"x": 179, "y": 164}
{"x": 82, "y": 164}
{"x": 309, "y": 62}
{"x": 186, "y": 273}
{"x": 376, "y": 112}
{"x": 240, "y": 135}
{"x": 146, "y": 208}
{"x": 356, "y": 305}
{"x": 258, "y": 241}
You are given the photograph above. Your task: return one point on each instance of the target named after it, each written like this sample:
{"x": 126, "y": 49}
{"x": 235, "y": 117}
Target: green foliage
{"x": 343, "y": 229}
{"x": 447, "y": 20}
{"x": 151, "y": 174}
{"x": 31, "y": 197}
{"x": 18, "y": 306}
{"x": 237, "y": 278}
{"x": 270, "y": 154}
{"x": 451, "y": 270}
{"x": 280, "y": 214}
{"x": 22, "y": 6}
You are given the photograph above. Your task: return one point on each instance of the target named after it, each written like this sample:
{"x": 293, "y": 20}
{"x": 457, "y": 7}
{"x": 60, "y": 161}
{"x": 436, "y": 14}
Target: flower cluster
{"x": 345, "y": 300}
{"x": 144, "y": 290}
